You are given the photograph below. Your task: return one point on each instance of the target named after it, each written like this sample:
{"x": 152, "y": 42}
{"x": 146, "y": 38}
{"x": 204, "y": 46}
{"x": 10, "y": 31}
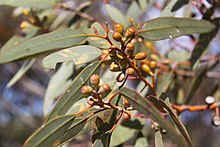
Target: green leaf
{"x": 167, "y": 10}
{"x": 96, "y": 28}
{"x": 141, "y": 142}
{"x": 57, "y": 85}
{"x": 133, "y": 11}
{"x": 73, "y": 93}
{"x": 16, "y": 40}
{"x": 79, "y": 54}
{"x": 163, "y": 82}
{"x": 158, "y": 138}
{"x": 50, "y": 133}
{"x": 171, "y": 27}
{"x": 166, "y": 104}
{"x": 144, "y": 106}
{"x": 55, "y": 40}
{"x": 122, "y": 134}
{"x": 116, "y": 15}
{"x": 41, "y": 4}
{"x": 103, "y": 140}
{"x": 24, "y": 68}
{"x": 179, "y": 56}
{"x": 204, "y": 40}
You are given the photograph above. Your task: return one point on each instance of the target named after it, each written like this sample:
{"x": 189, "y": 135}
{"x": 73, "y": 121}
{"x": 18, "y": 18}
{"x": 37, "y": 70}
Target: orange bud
{"x": 140, "y": 56}
{"x": 118, "y": 28}
{"x": 153, "y": 64}
{"x": 127, "y": 115}
{"x": 86, "y": 90}
{"x": 114, "y": 67}
{"x": 94, "y": 79}
{"x": 117, "y": 36}
{"x": 130, "y": 71}
{"x": 120, "y": 77}
{"x": 145, "y": 68}
{"x": 130, "y": 47}
{"x": 126, "y": 103}
{"x": 130, "y": 32}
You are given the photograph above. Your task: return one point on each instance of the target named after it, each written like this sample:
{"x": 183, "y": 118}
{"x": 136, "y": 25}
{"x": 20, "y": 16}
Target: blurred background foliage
{"x": 21, "y": 105}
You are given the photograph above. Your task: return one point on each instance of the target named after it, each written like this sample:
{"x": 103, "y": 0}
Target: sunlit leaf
{"x": 122, "y": 134}
{"x": 171, "y": 27}
{"x": 57, "y": 85}
{"x": 42, "y": 4}
{"x": 73, "y": 93}
{"x": 78, "y": 54}
{"x": 144, "y": 106}
{"x": 50, "y": 133}
{"x": 116, "y": 15}
{"x": 24, "y": 68}
{"x": 97, "y": 29}
{"x": 55, "y": 40}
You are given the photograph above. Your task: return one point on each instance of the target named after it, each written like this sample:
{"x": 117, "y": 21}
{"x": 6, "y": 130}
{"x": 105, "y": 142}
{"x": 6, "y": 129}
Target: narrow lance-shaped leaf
{"x": 42, "y": 4}
{"x": 143, "y": 106}
{"x": 116, "y": 15}
{"x": 158, "y": 138}
{"x": 24, "y": 68}
{"x": 171, "y": 27}
{"x": 73, "y": 93}
{"x": 50, "y": 133}
{"x": 79, "y": 54}
{"x": 55, "y": 40}
{"x": 57, "y": 85}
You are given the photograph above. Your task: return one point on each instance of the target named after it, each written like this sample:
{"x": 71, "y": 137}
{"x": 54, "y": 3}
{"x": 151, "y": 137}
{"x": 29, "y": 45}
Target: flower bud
{"x": 26, "y": 12}
{"x": 117, "y": 36}
{"x": 130, "y": 47}
{"x": 140, "y": 56}
{"x": 130, "y": 71}
{"x": 25, "y": 24}
{"x": 154, "y": 57}
{"x": 126, "y": 103}
{"x": 104, "y": 90}
{"x": 130, "y": 32}
{"x": 153, "y": 64}
{"x": 94, "y": 79}
{"x": 127, "y": 115}
{"x": 86, "y": 90}
{"x": 145, "y": 68}
{"x": 118, "y": 28}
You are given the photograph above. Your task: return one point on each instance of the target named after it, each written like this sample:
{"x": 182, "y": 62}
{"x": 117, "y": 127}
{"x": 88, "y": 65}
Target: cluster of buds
{"x": 94, "y": 91}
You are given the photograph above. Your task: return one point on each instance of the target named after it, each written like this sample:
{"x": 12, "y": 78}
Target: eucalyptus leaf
{"x": 122, "y": 134}
{"x": 78, "y": 54}
{"x": 50, "y": 134}
{"x": 141, "y": 142}
{"x": 55, "y": 40}
{"x": 116, "y": 15}
{"x": 24, "y": 68}
{"x": 144, "y": 106}
{"x": 171, "y": 27}
{"x": 158, "y": 138}
{"x": 133, "y": 11}
{"x": 73, "y": 93}
{"x": 41, "y": 4}
{"x": 57, "y": 85}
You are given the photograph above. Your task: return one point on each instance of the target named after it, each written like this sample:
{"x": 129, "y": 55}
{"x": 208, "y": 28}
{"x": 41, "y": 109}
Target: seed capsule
{"x": 130, "y": 71}
{"x": 118, "y": 28}
{"x": 145, "y": 68}
{"x": 86, "y": 90}
{"x": 140, "y": 56}
{"x": 117, "y": 36}
{"x": 130, "y": 32}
